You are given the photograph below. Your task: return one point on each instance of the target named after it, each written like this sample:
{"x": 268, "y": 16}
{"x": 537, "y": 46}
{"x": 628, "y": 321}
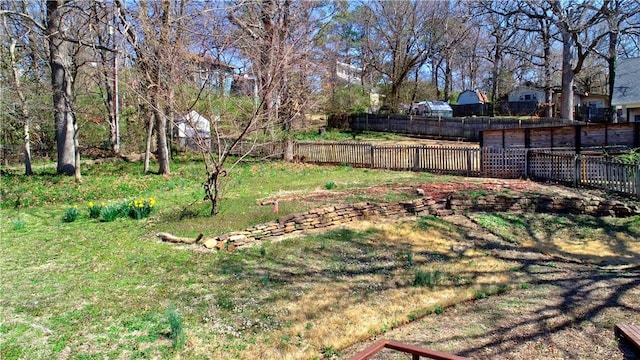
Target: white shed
{"x": 193, "y": 130}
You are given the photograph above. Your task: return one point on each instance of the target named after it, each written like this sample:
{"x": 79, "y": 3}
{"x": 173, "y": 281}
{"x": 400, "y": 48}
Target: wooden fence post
{"x": 527, "y": 158}
{"x": 373, "y": 162}
{"x": 296, "y": 151}
{"x": 333, "y": 153}
{"x": 577, "y": 170}
{"x": 483, "y": 170}
{"x": 638, "y": 181}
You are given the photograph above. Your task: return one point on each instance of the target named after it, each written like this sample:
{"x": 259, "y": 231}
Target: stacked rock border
{"x": 331, "y": 216}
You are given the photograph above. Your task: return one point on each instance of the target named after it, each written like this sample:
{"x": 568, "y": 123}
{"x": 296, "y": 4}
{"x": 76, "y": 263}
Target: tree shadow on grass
{"x": 360, "y": 266}
{"x": 587, "y": 289}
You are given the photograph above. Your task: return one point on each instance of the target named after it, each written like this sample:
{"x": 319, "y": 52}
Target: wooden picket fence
{"x": 566, "y": 168}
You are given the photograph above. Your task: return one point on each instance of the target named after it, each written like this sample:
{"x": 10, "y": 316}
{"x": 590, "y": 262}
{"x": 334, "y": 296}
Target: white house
{"x": 526, "y": 94}
{"x": 626, "y": 90}
{"x": 193, "y": 131}
{"x": 348, "y": 73}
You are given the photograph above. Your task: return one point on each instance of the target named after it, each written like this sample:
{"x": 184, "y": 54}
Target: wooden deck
{"x": 631, "y": 333}
{"x": 415, "y": 351}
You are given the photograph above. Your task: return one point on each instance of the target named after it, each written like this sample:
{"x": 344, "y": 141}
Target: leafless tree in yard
{"x": 154, "y": 31}
{"x": 22, "y": 111}
{"x": 103, "y": 32}
{"x": 55, "y": 28}
{"x": 272, "y": 43}
{"x": 622, "y": 25}
{"x": 576, "y": 23}
{"x": 398, "y": 37}
{"x": 497, "y": 20}
{"x": 277, "y": 39}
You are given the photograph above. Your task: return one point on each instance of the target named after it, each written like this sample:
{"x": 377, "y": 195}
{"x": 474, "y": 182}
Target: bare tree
{"x": 398, "y": 37}
{"x": 497, "y": 20}
{"x": 455, "y": 31}
{"x": 576, "y": 23}
{"x": 537, "y": 29}
{"x": 276, "y": 37}
{"x": 22, "y": 112}
{"x": 153, "y": 31}
{"x": 62, "y": 81}
{"x": 103, "y": 33}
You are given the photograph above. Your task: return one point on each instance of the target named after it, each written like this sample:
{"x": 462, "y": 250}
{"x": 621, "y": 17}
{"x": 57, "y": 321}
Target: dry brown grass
{"x": 333, "y": 315}
{"x": 578, "y": 277}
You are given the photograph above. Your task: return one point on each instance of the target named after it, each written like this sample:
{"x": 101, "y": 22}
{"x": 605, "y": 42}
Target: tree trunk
{"x": 568, "y": 77}
{"x": 76, "y": 145}
{"x": 495, "y": 74}
{"x": 160, "y": 85}
{"x": 546, "y": 39}
{"x": 161, "y": 142}
{"x": 147, "y": 151}
{"x": 62, "y": 85}
{"x": 24, "y": 111}
{"x": 611, "y": 62}
{"x": 288, "y": 149}
{"x": 27, "y": 149}
{"x": 448, "y": 77}
{"x": 211, "y": 189}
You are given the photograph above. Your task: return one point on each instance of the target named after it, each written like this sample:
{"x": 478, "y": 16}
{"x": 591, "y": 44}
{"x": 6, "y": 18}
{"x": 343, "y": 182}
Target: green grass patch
{"x": 103, "y": 288}
{"x": 429, "y": 278}
{"x": 505, "y": 225}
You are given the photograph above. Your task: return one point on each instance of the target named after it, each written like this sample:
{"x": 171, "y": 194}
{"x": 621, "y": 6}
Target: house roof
{"x": 467, "y": 97}
{"x": 192, "y": 122}
{"x": 210, "y": 61}
{"x": 436, "y": 105}
{"x": 626, "y": 88}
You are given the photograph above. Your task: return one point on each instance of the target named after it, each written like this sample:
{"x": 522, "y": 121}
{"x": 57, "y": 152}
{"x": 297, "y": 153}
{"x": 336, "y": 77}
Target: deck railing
{"x": 415, "y": 351}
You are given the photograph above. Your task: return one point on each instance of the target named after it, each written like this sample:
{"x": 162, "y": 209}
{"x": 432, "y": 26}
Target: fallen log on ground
{"x": 177, "y": 239}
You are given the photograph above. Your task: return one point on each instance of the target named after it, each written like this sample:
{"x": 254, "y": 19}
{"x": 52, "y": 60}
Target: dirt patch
{"x": 439, "y": 190}
{"x": 567, "y": 313}
{"x": 565, "y": 306}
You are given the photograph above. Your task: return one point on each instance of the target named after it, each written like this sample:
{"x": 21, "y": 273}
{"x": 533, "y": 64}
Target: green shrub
{"x": 176, "y": 333}
{"x": 18, "y": 224}
{"x": 94, "y": 210}
{"x": 329, "y": 352}
{"x": 438, "y": 309}
{"x": 410, "y": 260}
{"x": 111, "y": 212}
{"x": 427, "y": 278}
{"x": 70, "y": 215}
{"x": 223, "y": 301}
{"x": 330, "y": 185}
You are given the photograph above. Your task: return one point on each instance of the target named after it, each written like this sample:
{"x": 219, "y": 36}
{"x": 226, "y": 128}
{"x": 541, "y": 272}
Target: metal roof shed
{"x": 436, "y": 108}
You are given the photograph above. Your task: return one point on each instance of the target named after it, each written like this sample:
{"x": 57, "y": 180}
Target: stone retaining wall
{"x": 455, "y": 204}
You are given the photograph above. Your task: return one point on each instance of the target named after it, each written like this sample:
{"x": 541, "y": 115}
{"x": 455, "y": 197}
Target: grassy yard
{"x": 94, "y": 289}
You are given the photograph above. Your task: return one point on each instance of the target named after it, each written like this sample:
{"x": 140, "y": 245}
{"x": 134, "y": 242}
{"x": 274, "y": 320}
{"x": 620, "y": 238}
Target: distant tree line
{"x": 124, "y": 69}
